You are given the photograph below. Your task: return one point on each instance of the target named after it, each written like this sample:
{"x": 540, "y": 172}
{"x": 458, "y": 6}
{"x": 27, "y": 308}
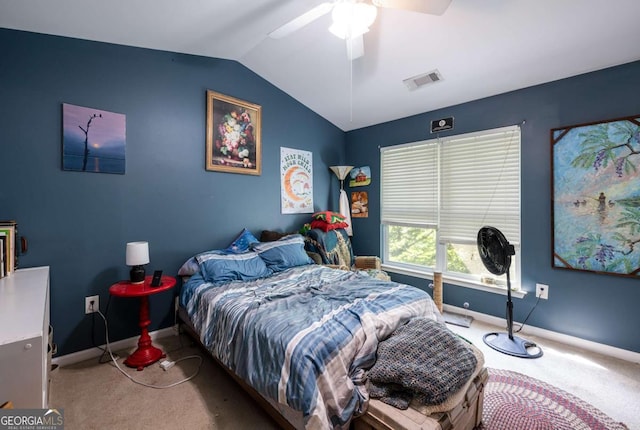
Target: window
{"x": 437, "y": 194}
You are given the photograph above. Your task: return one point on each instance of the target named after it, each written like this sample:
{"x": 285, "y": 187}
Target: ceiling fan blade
{"x": 431, "y": 7}
{"x": 299, "y": 22}
{"x": 355, "y": 47}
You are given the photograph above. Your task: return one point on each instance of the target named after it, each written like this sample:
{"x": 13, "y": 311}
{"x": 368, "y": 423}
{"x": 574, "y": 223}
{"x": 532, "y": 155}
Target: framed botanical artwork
{"x": 596, "y": 197}
{"x": 93, "y": 140}
{"x": 233, "y": 135}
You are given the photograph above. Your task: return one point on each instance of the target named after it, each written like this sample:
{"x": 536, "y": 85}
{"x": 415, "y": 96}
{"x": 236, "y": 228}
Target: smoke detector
{"x": 424, "y": 79}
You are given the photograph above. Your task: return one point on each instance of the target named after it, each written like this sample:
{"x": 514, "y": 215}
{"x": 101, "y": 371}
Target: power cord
{"x": 165, "y": 364}
{"x": 528, "y": 315}
{"x": 104, "y": 354}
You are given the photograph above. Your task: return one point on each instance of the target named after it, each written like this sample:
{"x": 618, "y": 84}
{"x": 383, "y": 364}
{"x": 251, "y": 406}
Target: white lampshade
{"x": 137, "y": 253}
{"x": 341, "y": 171}
{"x": 351, "y": 19}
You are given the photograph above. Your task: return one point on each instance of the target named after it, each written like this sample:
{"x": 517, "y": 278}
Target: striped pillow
{"x": 284, "y": 253}
{"x": 222, "y": 267}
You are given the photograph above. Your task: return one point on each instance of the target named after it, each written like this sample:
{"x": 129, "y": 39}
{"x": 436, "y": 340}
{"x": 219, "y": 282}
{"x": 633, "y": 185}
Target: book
{"x": 10, "y": 248}
{"x": 6, "y": 247}
{"x": 3, "y": 239}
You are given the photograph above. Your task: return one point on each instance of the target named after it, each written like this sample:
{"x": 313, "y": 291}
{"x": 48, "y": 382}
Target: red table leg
{"x": 146, "y": 353}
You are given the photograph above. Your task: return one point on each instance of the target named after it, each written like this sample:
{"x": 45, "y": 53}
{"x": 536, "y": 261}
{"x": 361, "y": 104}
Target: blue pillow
{"x": 222, "y": 267}
{"x": 191, "y": 266}
{"x": 284, "y": 253}
{"x": 242, "y": 243}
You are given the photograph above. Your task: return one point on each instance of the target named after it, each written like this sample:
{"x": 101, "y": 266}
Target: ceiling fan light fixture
{"x": 351, "y": 19}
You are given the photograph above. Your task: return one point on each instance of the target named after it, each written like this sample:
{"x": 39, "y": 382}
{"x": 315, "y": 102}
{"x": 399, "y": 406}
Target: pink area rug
{"x": 514, "y": 401}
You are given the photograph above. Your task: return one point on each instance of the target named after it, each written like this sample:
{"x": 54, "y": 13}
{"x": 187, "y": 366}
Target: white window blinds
{"x": 409, "y": 184}
{"x": 480, "y": 185}
{"x": 459, "y": 184}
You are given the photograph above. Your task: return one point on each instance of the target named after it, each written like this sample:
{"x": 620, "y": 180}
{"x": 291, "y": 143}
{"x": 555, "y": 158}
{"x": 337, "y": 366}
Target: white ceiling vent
{"x": 424, "y": 79}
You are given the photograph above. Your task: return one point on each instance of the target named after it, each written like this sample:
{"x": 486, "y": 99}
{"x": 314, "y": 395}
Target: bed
{"x": 301, "y": 335}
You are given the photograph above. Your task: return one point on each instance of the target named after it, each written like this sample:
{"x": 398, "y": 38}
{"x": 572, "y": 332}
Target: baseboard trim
{"x": 600, "y": 348}
{"x": 87, "y": 354}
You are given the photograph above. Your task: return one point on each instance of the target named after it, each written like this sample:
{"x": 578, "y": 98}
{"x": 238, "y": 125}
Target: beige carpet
{"x": 98, "y": 396}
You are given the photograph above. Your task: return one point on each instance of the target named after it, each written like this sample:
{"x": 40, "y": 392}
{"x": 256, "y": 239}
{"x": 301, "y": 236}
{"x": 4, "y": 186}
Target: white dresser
{"x": 24, "y": 329}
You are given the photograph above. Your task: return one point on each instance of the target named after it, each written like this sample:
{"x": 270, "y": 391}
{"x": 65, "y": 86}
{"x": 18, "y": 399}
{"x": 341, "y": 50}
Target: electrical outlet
{"x": 87, "y": 304}
{"x": 542, "y": 291}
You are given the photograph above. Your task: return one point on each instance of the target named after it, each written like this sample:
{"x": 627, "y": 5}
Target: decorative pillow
{"x": 329, "y": 217}
{"x": 242, "y": 243}
{"x": 284, "y": 253}
{"x": 222, "y": 267}
{"x": 325, "y": 226}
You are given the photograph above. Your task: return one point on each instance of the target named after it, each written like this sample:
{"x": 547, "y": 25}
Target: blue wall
{"x": 78, "y": 223}
{"x": 600, "y": 308}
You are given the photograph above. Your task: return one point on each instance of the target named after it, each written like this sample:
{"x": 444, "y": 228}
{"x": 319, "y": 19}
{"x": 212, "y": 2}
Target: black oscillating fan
{"x": 495, "y": 252}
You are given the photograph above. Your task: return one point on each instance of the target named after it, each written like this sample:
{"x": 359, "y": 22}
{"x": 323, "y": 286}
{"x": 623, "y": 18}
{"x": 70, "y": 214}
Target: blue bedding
{"x": 304, "y": 336}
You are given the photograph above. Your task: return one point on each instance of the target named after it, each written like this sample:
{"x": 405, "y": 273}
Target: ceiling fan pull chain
{"x": 351, "y": 89}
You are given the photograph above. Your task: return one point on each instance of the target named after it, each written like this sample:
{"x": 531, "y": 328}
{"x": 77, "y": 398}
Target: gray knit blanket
{"x": 421, "y": 360}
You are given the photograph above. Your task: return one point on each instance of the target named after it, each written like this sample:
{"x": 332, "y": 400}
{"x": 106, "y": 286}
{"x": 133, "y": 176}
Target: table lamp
{"x": 137, "y": 257}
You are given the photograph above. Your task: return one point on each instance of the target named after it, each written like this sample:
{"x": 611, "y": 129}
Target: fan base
{"x": 513, "y": 345}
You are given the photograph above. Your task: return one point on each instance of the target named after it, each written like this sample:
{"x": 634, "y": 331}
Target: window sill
{"x": 453, "y": 280}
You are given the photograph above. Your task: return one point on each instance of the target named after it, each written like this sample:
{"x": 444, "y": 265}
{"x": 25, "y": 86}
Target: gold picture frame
{"x": 233, "y": 135}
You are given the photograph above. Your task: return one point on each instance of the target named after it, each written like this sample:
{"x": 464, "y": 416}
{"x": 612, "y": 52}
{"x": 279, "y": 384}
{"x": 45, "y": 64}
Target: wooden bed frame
{"x": 465, "y": 415}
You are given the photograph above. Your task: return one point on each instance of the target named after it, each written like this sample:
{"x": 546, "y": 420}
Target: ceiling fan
{"x": 352, "y": 18}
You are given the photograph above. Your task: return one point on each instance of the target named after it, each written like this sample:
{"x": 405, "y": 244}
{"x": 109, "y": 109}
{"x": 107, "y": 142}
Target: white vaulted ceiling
{"x": 480, "y": 47}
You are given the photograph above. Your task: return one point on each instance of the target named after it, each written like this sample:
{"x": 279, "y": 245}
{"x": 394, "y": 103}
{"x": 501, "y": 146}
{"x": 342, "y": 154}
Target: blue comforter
{"x": 304, "y": 336}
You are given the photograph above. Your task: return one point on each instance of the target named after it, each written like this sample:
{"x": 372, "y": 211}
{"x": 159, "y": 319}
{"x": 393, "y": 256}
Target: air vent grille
{"x": 423, "y": 79}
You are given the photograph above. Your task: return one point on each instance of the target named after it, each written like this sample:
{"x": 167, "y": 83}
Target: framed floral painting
{"x": 596, "y": 197}
{"x": 233, "y": 135}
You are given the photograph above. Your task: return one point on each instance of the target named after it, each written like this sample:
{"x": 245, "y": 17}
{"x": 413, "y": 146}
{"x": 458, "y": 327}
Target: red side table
{"x": 146, "y": 353}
